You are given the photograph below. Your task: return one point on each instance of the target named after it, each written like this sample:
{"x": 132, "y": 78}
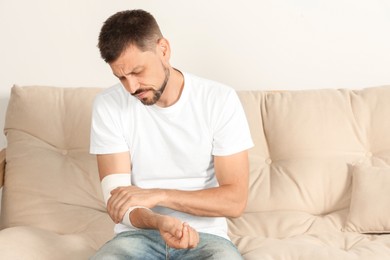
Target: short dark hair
{"x": 125, "y": 28}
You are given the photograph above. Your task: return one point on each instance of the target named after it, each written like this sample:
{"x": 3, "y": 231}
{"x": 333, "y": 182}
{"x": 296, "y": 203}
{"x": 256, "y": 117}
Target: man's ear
{"x": 164, "y": 48}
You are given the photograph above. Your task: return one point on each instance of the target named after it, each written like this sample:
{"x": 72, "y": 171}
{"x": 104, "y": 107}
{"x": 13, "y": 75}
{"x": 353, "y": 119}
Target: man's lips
{"x": 140, "y": 93}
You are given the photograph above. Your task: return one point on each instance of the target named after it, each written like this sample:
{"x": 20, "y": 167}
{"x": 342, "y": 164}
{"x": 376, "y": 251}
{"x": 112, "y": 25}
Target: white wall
{"x": 250, "y": 44}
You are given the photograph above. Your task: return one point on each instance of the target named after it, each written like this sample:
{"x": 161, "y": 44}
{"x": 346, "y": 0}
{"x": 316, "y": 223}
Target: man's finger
{"x": 116, "y": 207}
{"x": 189, "y": 236}
{"x": 184, "y": 239}
{"x": 114, "y": 190}
{"x": 194, "y": 238}
{"x": 179, "y": 234}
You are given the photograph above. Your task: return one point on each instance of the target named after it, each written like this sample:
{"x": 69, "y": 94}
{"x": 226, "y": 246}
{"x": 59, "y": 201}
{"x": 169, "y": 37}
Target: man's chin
{"x": 148, "y": 98}
{"x": 148, "y": 101}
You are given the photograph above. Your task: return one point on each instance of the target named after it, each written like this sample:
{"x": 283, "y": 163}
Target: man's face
{"x": 143, "y": 74}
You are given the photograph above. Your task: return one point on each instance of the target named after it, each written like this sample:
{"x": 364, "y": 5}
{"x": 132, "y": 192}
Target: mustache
{"x": 138, "y": 91}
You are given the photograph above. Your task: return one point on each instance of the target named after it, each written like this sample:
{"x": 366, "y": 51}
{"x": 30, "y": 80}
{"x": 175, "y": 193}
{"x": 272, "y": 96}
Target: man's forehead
{"x": 130, "y": 59}
{"x": 125, "y": 63}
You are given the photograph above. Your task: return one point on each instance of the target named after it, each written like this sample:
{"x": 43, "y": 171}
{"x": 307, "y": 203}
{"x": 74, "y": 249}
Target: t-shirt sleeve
{"x": 231, "y": 131}
{"x": 106, "y": 128}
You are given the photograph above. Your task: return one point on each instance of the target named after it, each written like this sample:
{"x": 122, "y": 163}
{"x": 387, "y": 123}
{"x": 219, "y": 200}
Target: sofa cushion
{"x": 316, "y": 246}
{"x": 2, "y": 170}
{"x": 370, "y": 201}
{"x": 51, "y": 180}
{"x": 304, "y": 141}
{"x": 33, "y": 243}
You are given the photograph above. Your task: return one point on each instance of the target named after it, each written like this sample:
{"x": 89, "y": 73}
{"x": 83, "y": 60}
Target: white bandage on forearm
{"x": 126, "y": 218}
{"x": 113, "y": 181}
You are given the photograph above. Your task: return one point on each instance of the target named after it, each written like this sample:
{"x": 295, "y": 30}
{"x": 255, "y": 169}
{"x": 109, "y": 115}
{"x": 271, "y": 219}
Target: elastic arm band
{"x": 126, "y": 218}
{"x": 113, "y": 181}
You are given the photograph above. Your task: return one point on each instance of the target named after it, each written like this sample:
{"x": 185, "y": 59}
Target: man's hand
{"x": 122, "y": 198}
{"x": 176, "y": 234}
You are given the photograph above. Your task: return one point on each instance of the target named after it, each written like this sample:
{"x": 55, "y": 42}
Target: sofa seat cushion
{"x": 35, "y": 243}
{"x": 319, "y": 246}
{"x": 285, "y": 223}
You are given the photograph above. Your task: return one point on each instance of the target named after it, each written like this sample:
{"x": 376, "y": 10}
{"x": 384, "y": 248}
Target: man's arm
{"x": 229, "y": 199}
{"x": 113, "y": 163}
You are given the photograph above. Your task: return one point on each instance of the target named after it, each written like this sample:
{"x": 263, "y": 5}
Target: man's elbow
{"x": 238, "y": 209}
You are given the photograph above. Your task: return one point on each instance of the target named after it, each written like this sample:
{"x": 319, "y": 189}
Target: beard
{"x": 156, "y": 92}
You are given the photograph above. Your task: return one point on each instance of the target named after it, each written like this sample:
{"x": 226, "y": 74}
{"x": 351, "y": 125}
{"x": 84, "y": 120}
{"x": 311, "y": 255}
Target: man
{"x": 171, "y": 150}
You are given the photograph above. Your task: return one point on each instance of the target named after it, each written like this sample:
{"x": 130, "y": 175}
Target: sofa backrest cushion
{"x": 300, "y": 177}
{"x": 51, "y": 179}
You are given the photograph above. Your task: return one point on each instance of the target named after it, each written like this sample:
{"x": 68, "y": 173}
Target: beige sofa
{"x": 319, "y": 176}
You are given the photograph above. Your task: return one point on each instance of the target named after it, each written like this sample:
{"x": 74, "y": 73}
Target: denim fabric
{"x": 148, "y": 245}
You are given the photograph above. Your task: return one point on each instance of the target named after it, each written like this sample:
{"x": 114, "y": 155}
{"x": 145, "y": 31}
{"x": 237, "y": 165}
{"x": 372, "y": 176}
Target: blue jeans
{"x": 148, "y": 245}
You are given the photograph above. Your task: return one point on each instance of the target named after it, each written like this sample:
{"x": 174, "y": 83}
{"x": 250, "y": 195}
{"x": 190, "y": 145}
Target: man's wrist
{"x": 163, "y": 195}
{"x": 134, "y": 222}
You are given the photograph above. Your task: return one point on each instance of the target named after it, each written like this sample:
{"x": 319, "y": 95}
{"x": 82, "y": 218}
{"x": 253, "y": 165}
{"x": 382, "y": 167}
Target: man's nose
{"x": 131, "y": 84}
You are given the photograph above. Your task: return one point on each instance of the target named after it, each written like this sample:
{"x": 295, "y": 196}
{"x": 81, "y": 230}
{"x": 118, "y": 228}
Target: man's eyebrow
{"x": 115, "y": 75}
{"x": 135, "y": 69}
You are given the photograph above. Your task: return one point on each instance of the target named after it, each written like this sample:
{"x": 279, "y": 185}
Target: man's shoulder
{"x": 115, "y": 95}
{"x": 115, "y": 90}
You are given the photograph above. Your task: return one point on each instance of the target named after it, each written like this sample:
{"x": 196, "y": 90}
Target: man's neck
{"x": 173, "y": 89}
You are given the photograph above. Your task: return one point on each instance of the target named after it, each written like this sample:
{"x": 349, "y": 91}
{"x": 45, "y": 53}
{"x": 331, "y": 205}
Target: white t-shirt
{"x": 173, "y": 147}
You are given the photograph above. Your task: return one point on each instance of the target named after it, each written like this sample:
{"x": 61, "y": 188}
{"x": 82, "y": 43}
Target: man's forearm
{"x": 224, "y": 201}
{"x": 228, "y": 200}
{"x": 174, "y": 232}
{"x": 144, "y": 218}
{"x": 215, "y": 202}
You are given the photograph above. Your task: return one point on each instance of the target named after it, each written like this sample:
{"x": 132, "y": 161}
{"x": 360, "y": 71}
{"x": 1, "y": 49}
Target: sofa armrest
{"x": 2, "y": 167}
